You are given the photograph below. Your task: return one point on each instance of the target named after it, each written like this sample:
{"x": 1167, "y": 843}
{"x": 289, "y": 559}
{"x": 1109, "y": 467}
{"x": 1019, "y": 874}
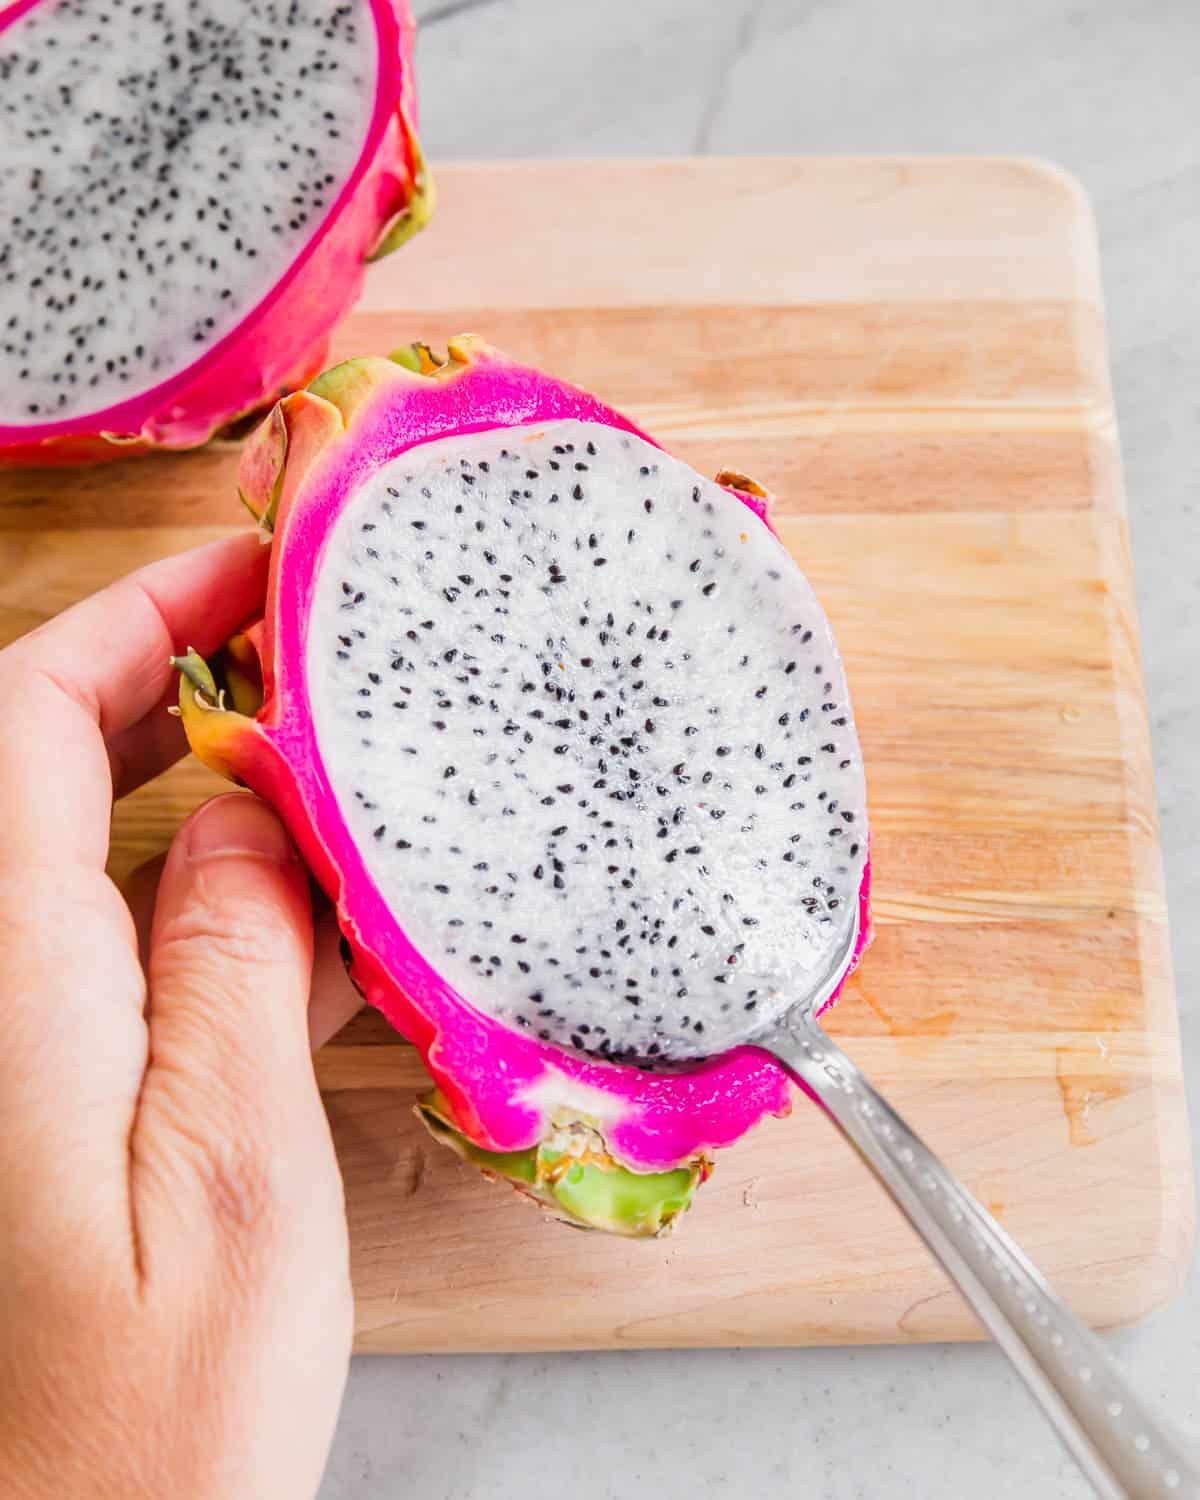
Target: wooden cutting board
{"x": 911, "y": 354}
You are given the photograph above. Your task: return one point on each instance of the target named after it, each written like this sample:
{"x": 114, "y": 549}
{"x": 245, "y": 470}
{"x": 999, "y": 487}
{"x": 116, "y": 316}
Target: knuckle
{"x": 211, "y": 931}
{"x": 218, "y": 1140}
{"x": 241, "y": 1188}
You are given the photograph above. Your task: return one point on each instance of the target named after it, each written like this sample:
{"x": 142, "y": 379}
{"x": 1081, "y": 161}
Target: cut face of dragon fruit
{"x": 584, "y": 718}
{"x": 189, "y": 190}
{"x": 562, "y": 729}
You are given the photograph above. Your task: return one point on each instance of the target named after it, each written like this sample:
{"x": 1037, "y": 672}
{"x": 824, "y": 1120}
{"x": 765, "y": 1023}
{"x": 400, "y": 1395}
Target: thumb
{"x": 230, "y": 1146}
{"x": 332, "y": 1000}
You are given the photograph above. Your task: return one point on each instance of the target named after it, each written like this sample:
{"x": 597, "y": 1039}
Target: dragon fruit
{"x": 563, "y": 732}
{"x": 190, "y": 190}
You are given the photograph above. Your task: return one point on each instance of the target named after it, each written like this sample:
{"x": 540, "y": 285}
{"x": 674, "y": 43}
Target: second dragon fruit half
{"x": 189, "y": 195}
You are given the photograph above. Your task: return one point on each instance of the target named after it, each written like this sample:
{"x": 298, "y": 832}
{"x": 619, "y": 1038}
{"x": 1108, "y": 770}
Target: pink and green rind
{"x": 283, "y": 341}
{"x": 503, "y": 1089}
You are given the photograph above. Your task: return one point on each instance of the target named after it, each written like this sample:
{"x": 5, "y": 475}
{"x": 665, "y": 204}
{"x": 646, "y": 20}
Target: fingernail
{"x": 237, "y": 823}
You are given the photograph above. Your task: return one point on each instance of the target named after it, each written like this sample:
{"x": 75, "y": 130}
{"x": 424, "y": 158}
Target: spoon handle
{"x": 1121, "y": 1447}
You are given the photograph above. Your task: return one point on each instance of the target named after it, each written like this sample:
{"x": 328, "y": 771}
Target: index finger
{"x": 96, "y": 670}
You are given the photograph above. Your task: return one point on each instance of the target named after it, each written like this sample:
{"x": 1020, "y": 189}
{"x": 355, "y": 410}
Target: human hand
{"x": 175, "y": 1308}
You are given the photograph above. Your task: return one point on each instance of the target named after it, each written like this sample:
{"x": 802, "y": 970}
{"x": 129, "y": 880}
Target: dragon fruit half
{"x": 562, "y": 730}
{"x": 189, "y": 193}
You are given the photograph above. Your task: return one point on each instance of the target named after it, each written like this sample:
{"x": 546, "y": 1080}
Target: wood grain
{"x": 911, "y": 354}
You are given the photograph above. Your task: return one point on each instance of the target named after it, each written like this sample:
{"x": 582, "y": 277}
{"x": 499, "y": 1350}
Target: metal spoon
{"x": 1126, "y": 1451}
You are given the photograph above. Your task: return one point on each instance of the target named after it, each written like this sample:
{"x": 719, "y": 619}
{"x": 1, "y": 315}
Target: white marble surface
{"x": 1103, "y": 87}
